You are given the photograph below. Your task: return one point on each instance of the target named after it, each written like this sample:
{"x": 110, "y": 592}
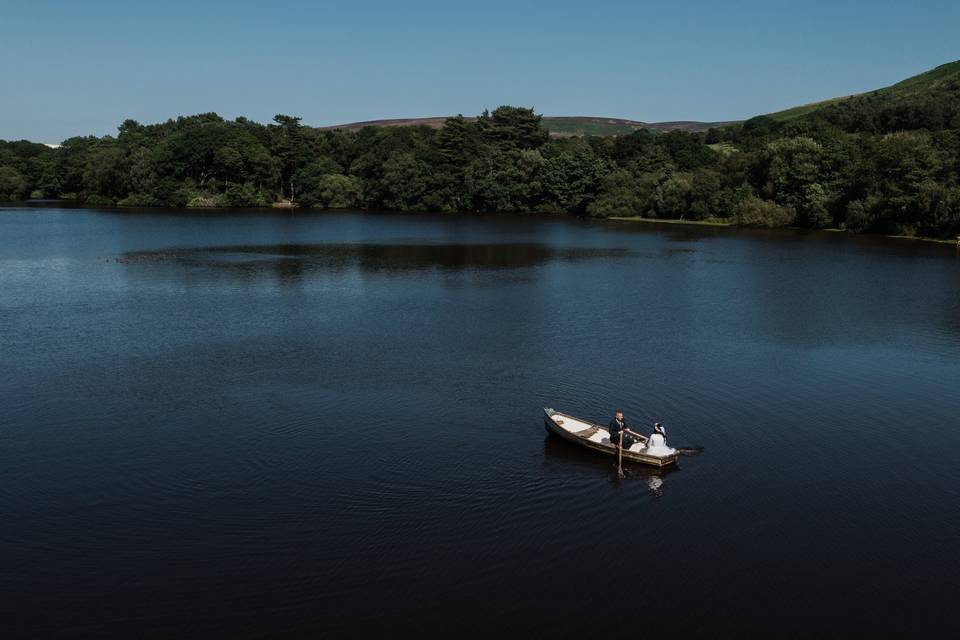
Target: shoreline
{"x": 698, "y": 223}
{"x": 721, "y": 223}
{"x": 284, "y": 206}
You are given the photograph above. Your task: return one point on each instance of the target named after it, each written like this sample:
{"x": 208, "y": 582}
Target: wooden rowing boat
{"x": 593, "y": 436}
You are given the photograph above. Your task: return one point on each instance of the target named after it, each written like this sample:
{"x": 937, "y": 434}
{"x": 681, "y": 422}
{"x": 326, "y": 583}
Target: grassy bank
{"x": 710, "y": 222}
{"x": 715, "y": 222}
{"x": 924, "y": 239}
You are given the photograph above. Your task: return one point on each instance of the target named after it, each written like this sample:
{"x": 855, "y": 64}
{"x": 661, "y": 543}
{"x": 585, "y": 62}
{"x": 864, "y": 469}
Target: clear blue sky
{"x": 81, "y": 67}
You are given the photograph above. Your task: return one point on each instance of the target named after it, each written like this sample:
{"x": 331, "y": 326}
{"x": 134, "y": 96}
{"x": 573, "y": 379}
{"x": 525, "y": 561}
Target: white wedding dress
{"x": 657, "y": 446}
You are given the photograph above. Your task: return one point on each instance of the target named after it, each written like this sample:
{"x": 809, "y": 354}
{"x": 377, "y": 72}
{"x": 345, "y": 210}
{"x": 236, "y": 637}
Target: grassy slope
{"x": 914, "y": 84}
{"x": 591, "y": 126}
{"x": 797, "y": 112}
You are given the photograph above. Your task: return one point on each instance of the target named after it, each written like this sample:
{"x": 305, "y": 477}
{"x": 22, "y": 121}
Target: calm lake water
{"x": 257, "y": 424}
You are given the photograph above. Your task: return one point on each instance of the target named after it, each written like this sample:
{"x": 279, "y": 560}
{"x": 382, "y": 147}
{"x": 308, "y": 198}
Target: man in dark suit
{"x": 616, "y": 426}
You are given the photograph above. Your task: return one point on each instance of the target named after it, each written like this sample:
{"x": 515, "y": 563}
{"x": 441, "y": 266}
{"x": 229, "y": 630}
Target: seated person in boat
{"x": 658, "y": 439}
{"x": 616, "y": 426}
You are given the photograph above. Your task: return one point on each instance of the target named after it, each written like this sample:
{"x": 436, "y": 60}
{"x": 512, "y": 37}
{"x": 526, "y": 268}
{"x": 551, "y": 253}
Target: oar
{"x": 689, "y": 450}
{"x": 620, "y": 457}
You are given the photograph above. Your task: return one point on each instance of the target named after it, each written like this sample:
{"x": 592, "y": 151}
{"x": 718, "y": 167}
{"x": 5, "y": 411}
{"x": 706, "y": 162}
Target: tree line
{"x": 867, "y": 164}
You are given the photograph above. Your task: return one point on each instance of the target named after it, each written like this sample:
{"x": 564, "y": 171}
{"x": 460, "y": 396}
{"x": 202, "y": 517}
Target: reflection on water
{"x": 564, "y": 457}
{"x": 298, "y": 259}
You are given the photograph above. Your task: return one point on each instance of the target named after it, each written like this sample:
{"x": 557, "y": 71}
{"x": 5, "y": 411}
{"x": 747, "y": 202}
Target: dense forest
{"x": 885, "y": 162}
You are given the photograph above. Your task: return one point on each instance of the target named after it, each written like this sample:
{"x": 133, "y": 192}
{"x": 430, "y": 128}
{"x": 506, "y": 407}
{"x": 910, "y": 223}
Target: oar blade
{"x": 690, "y": 450}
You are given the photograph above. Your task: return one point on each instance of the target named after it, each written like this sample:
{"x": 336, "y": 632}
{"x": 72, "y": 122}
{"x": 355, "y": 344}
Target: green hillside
{"x": 797, "y": 112}
{"x": 941, "y": 78}
{"x": 925, "y": 81}
{"x": 587, "y": 126}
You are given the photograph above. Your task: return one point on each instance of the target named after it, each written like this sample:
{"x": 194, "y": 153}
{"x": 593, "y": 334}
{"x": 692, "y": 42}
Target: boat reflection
{"x": 563, "y": 457}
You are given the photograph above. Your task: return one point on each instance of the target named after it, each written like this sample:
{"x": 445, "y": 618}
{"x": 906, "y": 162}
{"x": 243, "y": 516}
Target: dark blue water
{"x": 259, "y": 424}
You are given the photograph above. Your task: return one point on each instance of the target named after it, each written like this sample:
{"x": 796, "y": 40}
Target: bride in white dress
{"x": 657, "y": 442}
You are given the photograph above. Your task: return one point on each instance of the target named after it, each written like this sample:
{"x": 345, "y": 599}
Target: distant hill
{"x": 558, "y": 126}
{"x": 940, "y": 79}
{"x": 935, "y": 80}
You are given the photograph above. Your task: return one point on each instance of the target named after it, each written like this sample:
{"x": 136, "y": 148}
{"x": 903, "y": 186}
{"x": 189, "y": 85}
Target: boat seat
{"x": 636, "y": 448}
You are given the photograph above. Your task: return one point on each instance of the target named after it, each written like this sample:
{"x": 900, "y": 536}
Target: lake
{"x": 257, "y": 424}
